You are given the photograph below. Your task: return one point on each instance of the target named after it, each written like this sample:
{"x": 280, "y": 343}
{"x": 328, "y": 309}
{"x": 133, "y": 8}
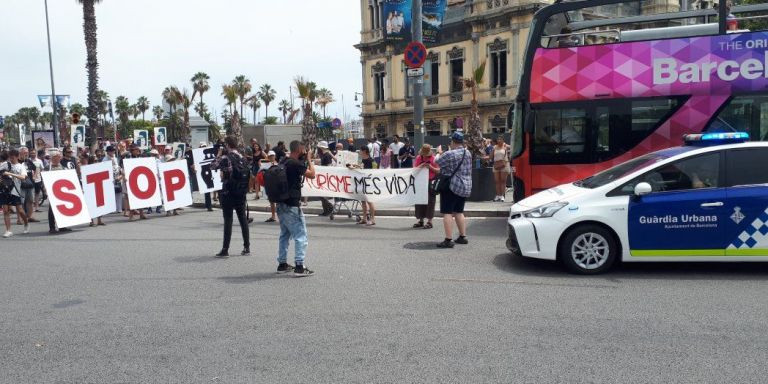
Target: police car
{"x": 704, "y": 201}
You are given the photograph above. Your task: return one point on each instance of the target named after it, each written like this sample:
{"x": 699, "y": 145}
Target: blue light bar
{"x": 716, "y": 138}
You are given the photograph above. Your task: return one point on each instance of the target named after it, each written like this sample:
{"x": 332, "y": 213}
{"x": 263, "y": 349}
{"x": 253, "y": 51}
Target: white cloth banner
{"x": 207, "y": 179}
{"x": 174, "y": 179}
{"x": 66, "y": 197}
{"x": 346, "y": 157}
{"x": 384, "y": 187}
{"x": 142, "y": 183}
{"x": 99, "y": 188}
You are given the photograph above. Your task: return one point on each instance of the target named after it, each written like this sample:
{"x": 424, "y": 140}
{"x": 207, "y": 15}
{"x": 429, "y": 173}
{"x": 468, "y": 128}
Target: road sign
{"x": 415, "y": 54}
{"x": 336, "y": 123}
{"x": 415, "y": 72}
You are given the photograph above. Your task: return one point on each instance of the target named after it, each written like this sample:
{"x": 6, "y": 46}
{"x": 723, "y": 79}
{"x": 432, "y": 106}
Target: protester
{"x": 117, "y": 171}
{"x": 34, "y": 158}
{"x": 280, "y": 151}
{"x": 369, "y": 211}
{"x": 394, "y": 150}
{"x": 326, "y": 160}
{"x": 406, "y": 155}
{"x": 271, "y": 159}
{"x": 292, "y": 222}
{"x": 28, "y": 185}
{"x": 13, "y": 174}
{"x": 55, "y": 165}
{"x": 257, "y": 155}
{"x": 351, "y": 145}
{"x": 501, "y": 168}
{"x": 235, "y": 174}
{"x": 426, "y": 160}
{"x": 374, "y": 148}
{"x": 386, "y": 156}
{"x": 69, "y": 160}
{"x": 457, "y": 164}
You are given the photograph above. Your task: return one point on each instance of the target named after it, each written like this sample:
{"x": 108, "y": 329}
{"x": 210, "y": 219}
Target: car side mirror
{"x": 642, "y": 189}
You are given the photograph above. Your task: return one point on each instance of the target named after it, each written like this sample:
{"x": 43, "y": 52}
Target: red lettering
{"x": 322, "y": 179}
{"x": 347, "y": 184}
{"x": 60, "y": 191}
{"x": 133, "y": 182}
{"x": 98, "y": 179}
{"x": 174, "y": 181}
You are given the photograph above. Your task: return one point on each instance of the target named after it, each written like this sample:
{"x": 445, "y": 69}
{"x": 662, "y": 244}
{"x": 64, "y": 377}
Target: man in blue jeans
{"x": 298, "y": 166}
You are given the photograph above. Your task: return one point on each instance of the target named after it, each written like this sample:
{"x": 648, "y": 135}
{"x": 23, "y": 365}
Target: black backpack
{"x": 6, "y": 182}
{"x": 237, "y": 183}
{"x": 276, "y": 183}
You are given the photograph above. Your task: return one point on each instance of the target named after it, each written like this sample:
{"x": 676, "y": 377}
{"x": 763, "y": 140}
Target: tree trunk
{"x": 187, "y": 131}
{"x": 308, "y": 132}
{"x": 92, "y": 65}
{"x": 237, "y": 131}
{"x": 475, "y": 135}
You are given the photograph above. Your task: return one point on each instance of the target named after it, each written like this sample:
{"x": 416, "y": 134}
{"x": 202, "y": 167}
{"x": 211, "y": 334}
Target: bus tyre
{"x": 588, "y": 250}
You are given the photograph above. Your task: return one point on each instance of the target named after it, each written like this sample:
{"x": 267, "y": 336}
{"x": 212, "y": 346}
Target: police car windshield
{"x": 623, "y": 169}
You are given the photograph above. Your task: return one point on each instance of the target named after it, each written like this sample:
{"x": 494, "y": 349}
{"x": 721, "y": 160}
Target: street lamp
{"x": 358, "y": 93}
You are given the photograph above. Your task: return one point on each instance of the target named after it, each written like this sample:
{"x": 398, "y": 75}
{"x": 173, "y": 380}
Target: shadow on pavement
{"x": 253, "y": 278}
{"x": 195, "y": 259}
{"x": 421, "y": 245}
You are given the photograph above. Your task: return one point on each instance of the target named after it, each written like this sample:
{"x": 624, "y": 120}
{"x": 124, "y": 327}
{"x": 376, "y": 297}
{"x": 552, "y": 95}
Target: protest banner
{"x": 141, "y": 138}
{"x": 99, "y": 188}
{"x": 346, "y": 157}
{"x": 174, "y": 179}
{"x": 208, "y": 180}
{"x": 77, "y": 135}
{"x": 179, "y": 150}
{"x": 142, "y": 183}
{"x": 161, "y": 138}
{"x": 386, "y": 187}
{"x": 66, "y": 198}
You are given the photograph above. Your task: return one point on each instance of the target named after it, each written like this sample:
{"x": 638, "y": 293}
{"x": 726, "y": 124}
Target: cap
{"x": 323, "y": 144}
{"x": 271, "y": 153}
{"x": 203, "y": 144}
{"x": 168, "y": 147}
{"x": 457, "y": 137}
{"x": 110, "y": 148}
{"x": 154, "y": 152}
{"x": 169, "y": 158}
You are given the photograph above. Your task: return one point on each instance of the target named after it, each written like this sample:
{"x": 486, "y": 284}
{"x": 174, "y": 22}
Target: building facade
{"x": 474, "y": 31}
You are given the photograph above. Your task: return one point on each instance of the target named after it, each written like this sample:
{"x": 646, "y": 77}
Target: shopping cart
{"x": 352, "y": 208}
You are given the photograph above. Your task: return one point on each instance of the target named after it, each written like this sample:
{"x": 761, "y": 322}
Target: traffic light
{"x": 75, "y": 118}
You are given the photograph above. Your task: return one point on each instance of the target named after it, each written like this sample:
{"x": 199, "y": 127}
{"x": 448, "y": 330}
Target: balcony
{"x": 372, "y": 36}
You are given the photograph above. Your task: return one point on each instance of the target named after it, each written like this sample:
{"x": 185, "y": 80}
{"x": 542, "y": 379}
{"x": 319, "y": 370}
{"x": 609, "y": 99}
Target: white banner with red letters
{"x": 174, "y": 181}
{"x": 99, "y": 188}
{"x": 142, "y": 183}
{"x": 384, "y": 187}
{"x": 66, "y": 198}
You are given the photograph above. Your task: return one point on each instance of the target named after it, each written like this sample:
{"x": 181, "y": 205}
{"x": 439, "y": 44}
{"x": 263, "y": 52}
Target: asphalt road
{"x": 145, "y": 302}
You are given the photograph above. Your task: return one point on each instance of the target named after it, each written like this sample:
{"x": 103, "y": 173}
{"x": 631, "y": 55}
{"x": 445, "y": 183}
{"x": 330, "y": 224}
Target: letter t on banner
{"x": 174, "y": 178}
{"x": 99, "y": 188}
{"x": 66, "y": 198}
{"x": 143, "y": 188}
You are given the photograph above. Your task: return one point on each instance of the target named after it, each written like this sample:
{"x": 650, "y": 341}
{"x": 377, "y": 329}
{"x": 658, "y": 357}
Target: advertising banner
{"x": 142, "y": 183}
{"x": 208, "y": 180}
{"x": 99, "y": 188}
{"x": 174, "y": 182}
{"x": 385, "y": 187}
{"x": 66, "y": 198}
{"x": 432, "y": 15}
{"x": 45, "y": 100}
{"x": 397, "y": 20}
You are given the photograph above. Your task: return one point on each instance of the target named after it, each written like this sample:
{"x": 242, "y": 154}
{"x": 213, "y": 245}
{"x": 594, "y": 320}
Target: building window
{"x": 373, "y": 17}
{"x": 498, "y": 124}
{"x": 381, "y": 131}
{"x": 409, "y": 129}
{"x": 456, "y": 62}
{"x": 433, "y": 128}
{"x": 432, "y": 67}
{"x": 498, "y": 63}
{"x": 379, "y": 72}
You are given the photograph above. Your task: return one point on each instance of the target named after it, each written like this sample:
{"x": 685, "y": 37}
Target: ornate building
{"x": 474, "y": 31}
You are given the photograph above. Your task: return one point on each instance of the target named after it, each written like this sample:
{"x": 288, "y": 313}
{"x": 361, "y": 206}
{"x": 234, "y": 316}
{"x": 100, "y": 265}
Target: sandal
{"x": 428, "y": 226}
{"x": 420, "y": 224}
{"x": 270, "y": 220}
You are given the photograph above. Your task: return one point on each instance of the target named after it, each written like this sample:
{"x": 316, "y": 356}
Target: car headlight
{"x": 546, "y": 210}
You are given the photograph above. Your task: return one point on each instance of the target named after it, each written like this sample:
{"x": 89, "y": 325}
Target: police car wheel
{"x": 588, "y": 250}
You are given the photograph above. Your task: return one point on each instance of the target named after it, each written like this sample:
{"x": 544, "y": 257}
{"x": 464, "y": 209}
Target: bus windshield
{"x": 612, "y": 174}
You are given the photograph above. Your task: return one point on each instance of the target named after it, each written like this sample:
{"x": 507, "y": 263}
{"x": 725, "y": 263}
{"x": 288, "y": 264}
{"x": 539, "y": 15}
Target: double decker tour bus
{"x": 604, "y": 81}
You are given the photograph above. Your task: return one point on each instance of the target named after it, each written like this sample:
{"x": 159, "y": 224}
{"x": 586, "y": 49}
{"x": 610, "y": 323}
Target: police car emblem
{"x": 737, "y": 216}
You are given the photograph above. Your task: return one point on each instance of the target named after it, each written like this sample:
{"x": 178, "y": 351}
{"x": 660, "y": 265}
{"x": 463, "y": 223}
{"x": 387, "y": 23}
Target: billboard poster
{"x": 397, "y": 20}
{"x": 42, "y": 140}
{"x": 433, "y": 13}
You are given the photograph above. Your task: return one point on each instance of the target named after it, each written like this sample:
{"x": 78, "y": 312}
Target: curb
{"x": 380, "y": 212}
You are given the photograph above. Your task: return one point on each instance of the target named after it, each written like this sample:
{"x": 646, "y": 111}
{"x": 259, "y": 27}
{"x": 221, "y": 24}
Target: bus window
{"x": 748, "y": 113}
{"x": 603, "y": 130}
{"x": 560, "y": 131}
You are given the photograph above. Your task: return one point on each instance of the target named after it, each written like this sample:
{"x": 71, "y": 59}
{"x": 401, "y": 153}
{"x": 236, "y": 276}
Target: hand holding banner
{"x": 387, "y": 187}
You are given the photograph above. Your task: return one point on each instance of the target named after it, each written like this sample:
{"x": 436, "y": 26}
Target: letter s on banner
{"x": 141, "y": 182}
{"x": 66, "y": 198}
{"x": 99, "y": 188}
{"x": 174, "y": 176}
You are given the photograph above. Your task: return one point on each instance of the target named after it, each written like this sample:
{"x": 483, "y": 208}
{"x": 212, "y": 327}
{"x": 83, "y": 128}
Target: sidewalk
{"x": 483, "y": 209}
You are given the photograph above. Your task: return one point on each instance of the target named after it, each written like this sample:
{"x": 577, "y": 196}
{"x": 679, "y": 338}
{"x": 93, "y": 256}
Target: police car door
{"x": 685, "y": 214}
{"x": 747, "y": 182}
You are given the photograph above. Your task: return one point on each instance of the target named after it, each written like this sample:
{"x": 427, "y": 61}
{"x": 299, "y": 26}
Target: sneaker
{"x": 65, "y": 230}
{"x": 284, "y": 268}
{"x": 223, "y": 254}
{"x": 26, "y": 228}
{"x": 501, "y": 199}
{"x": 7, "y": 234}
{"x": 447, "y": 243}
{"x": 461, "y": 240}
{"x": 245, "y": 252}
{"x": 301, "y": 271}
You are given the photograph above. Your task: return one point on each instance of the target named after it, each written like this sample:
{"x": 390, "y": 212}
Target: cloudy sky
{"x": 146, "y": 45}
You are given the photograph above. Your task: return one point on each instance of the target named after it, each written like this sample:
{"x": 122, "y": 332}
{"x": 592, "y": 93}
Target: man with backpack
{"x": 11, "y": 174}
{"x": 235, "y": 175}
{"x": 283, "y": 183}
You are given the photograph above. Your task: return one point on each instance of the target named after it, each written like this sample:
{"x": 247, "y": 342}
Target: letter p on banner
{"x": 66, "y": 198}
{"x": 141, "y": 180}
{"x": 174, "y": 179}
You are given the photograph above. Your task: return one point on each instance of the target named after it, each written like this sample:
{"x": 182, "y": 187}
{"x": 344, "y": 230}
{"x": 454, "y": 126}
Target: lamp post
{"x": 53, "y": 88}
{"x": 418, "y": 86}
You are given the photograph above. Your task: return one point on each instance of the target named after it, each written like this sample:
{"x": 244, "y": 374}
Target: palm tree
{"x": 230, "y": 94}
{"x": 102, "y": 105}
{"x": 77, "y": 108}
{"x": 307, "y": 93}
{"x": 46, "y": 118}
{"x": 475, "y": 135}
{"x": 135, "y": 111}
{"x": 285, "y": 108}
{"x": 123, "y": 109}
{"x": 142, "y": 104}
{"x": 324, "y": 97}
{"x": 202, "y": 110}
{"x": 254, "y": 104}
{"x": 91, "y": 63}
{"x": 172, "y": 96}
{"x": 186, "y": 102}
{"x": 267, "y": 94}
{"x": 34, "y": 116}
{"x": 158, "y": 112}
{"x": 242, "y": 87}
{"x": 200, "y": 85}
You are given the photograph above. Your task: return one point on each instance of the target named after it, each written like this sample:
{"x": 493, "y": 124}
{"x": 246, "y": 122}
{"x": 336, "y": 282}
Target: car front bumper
{"x": 526, "y": 238}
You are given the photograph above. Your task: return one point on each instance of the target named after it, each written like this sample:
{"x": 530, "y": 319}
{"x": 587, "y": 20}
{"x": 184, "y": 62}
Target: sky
{"x": 147, "y": 45}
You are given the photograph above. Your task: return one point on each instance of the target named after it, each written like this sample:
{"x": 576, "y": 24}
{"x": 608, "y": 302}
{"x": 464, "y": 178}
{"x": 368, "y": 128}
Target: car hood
{"x": 559, "y": 193}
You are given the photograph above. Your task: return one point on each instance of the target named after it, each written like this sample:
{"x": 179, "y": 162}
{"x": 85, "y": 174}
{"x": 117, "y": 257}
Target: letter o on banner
{"x": 142, "y": 184}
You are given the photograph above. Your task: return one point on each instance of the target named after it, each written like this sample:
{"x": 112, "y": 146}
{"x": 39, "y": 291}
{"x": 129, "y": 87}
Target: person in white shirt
{"x": 375, "y": 149}
{"x": 11, "y": 168}
{"x": 396, "y": 146}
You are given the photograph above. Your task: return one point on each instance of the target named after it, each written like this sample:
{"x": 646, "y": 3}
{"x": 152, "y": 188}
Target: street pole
{"x": 53, "y": 88}
{"x": 418, "y": 86}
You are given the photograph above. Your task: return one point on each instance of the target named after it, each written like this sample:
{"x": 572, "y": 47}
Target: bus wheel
{"x": 588, "y": 250}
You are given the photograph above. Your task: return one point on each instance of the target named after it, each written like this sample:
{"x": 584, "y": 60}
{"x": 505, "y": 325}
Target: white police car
{"x": 704, "y": 201}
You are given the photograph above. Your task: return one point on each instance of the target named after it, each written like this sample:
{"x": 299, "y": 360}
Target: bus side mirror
{"x": 642, "y": 189}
